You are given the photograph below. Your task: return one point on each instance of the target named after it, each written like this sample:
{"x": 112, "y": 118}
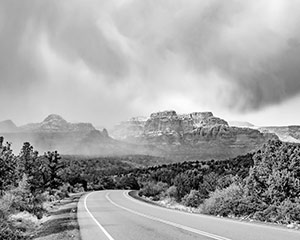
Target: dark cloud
{"x": 132, "y": 57}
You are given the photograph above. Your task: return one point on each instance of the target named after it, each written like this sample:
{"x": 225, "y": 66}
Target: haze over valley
{"x": 197, "y": 135}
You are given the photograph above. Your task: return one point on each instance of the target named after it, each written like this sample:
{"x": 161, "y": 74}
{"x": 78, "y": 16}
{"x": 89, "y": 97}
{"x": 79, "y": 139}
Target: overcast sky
{"x": 103, "y": 61}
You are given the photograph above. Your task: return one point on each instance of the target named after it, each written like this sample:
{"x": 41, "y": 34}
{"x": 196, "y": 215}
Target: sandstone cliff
{"x": 194, "y": 135}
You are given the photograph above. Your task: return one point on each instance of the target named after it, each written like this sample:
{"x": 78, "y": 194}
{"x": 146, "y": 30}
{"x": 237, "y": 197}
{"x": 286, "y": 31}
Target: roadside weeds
{"x": 62, "y": 223}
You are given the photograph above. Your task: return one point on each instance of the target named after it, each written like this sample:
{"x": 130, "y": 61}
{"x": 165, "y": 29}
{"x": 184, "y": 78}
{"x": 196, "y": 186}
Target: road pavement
{"x": 114, "y": 215}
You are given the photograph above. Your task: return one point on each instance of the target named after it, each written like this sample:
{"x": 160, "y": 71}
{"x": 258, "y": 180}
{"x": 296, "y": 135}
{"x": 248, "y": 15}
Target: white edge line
{"x": 206, "y": 234}
{"x": 95, "y": 220}
{"x": 253, "y": 224}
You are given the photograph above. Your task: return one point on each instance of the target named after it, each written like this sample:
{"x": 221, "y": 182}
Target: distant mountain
{"x": 240, "y": 124}
{"x": 8, "y": 126}
{"x": 55, "y": 123}
{"x": 285, "y": 133}
{"x": 179, "y": 137}
{"x": 55, "y": 133}
{"x": 195, "y": 135}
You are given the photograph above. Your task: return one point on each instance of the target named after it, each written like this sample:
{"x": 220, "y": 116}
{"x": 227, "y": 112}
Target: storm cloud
{"x": 105, "y": 60}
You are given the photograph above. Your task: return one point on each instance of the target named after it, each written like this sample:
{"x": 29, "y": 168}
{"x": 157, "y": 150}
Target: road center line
{"x": 95, "y": 220}
{"x": 206, "y": 234}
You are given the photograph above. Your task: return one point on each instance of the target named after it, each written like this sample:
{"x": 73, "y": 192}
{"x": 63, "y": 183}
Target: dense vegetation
{"x": 28, "y": 180}
{"x": 264, "y": 185}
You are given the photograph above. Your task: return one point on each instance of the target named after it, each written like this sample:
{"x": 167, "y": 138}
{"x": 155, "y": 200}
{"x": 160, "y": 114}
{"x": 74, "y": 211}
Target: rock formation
{"x": 198, "y": 134}
{"x": 285, "y": 133}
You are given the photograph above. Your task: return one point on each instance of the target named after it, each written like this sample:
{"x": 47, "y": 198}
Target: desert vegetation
{"x": 264, "y": 185}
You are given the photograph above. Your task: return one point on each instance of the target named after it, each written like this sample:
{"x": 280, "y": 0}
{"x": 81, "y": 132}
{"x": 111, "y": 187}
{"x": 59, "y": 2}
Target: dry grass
{"x": 62, "y": 222}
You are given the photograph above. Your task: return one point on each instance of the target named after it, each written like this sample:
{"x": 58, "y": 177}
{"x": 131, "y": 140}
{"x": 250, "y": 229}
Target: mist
{"x": 103, "y": 61}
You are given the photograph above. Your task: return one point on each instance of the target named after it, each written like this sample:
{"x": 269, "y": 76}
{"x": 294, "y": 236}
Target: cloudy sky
{"x": 103, "y": 61}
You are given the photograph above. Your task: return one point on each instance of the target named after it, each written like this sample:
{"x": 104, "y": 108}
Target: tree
{"x": 51, "y": 167}
{"x": 27, "y": 159}
{"x": 8, "y": 167}
{"x": 275, "y": 175}
{"x": 274, "y": 180}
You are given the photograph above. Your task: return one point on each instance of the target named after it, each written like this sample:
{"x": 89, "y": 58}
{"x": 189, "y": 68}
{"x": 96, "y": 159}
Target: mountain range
{"x": 197, "y": 135}
{"x": 54, "y": 133}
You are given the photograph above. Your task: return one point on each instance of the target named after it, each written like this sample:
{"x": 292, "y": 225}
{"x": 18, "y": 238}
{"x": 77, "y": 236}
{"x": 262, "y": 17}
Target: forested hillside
{"x": 263, "y": 186}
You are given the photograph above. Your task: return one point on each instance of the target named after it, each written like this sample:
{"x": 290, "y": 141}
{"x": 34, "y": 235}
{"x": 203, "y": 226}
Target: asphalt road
{"x": 114, "y": 215}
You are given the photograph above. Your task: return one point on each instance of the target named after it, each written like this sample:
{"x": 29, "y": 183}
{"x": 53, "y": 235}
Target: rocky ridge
{"x": 55, "y": 123}
{"x": 196, "y": 134}
{"x": 285, "y": 133}
{"x": 55, "y": 133}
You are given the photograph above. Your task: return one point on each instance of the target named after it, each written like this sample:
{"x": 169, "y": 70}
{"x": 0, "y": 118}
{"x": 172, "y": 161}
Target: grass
{"x": 62, "y": 222}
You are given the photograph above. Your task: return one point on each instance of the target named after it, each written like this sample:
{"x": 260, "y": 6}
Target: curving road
{"x": 114, "y": 215}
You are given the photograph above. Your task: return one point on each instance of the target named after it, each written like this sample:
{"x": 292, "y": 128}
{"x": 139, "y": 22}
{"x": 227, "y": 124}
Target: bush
{"x": 192, "y": 199}
{"x": 7, "y": 231}
{"x": 286, "y": 212}
{"x": 154, "y": 190}
{"x": 23, "y": 200}
{"x": 172, "y": 192}
{"x": 225, "y": 202}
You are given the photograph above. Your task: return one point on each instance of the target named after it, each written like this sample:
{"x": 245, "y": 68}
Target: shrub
{"x": 24, "y": 200}
{"x": 151, "y": 189}
{"x": 193, "y": 199}
{"x": 172, "y": 192}
{"x": 7, "y": 231}
{"x": 224, "y": 202}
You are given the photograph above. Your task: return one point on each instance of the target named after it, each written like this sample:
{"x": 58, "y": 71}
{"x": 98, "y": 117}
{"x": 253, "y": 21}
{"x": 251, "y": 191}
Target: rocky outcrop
{"x": 198, "y": 134}
{"x": 285, "y": 134}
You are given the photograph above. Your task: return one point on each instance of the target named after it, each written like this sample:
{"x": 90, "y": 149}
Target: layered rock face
{"x": 285, "y": 134}
{"x": 198, "y": 134}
